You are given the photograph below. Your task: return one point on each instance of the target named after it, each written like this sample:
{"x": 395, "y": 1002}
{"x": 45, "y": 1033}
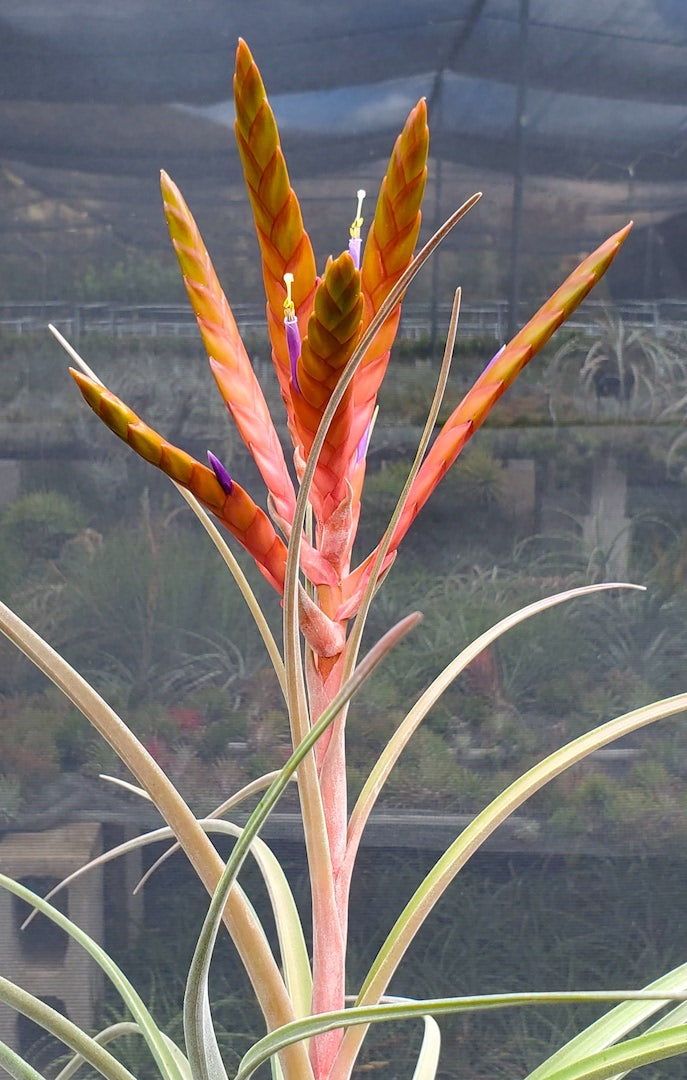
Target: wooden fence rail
{"x": 663, "y": 317}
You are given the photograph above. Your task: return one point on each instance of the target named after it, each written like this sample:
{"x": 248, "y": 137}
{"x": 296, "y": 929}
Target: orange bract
{"x": 229, "y": 360}
{"x": 284, "y": 243}
{"x": 237, "y": 511}
{"x": 478, "y": 402}
{"x": 389, "y": 251}
{"x": 333, "y": 332}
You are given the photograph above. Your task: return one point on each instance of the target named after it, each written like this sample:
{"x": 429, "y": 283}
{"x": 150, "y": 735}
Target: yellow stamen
{"x": 373, "y": 421}
{"x": 358, "y": 220}
{"x": 289, "y": 307}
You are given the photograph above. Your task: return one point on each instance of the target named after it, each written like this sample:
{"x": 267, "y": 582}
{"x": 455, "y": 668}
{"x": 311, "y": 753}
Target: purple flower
{"x": 361, "y": 449}
{"x": 293, "y": 337}
{"x": 355, "y": 242}
{"x": 225, "y": 481}
{"x": 354, "y": 246}
{"x": 293, "y": 343}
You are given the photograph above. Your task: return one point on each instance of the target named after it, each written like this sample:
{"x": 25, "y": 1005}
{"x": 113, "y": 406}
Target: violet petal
{"x": 354, "y": 246}
{"x": 293, "y": 342}
{"x": 225, "y": 481}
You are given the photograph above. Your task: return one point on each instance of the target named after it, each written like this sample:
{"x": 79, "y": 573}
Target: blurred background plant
{"x": 627, "y": 368}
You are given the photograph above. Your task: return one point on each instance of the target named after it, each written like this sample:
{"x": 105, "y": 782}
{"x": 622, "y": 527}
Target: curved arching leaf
{"x": 364, "y": 1015}
{"x": 149, "y": 1029}
{"x": 63, "y": 1029}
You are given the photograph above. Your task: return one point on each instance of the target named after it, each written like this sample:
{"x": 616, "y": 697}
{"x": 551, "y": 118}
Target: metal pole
{"x": 518, "y": 169}
{"x": 434, "y": 329}
{"x": 435, "y": 108}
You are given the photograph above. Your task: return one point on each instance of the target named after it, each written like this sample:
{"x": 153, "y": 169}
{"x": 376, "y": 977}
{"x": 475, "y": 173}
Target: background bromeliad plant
{"x": 331, "y": 338}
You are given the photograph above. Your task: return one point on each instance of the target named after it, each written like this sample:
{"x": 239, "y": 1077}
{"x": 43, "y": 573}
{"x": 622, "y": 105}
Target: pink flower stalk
{"x": 315, "y": 325}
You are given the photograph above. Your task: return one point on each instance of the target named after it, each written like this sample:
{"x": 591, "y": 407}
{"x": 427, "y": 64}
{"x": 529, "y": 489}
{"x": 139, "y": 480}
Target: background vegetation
{"x": 103, "y": 560}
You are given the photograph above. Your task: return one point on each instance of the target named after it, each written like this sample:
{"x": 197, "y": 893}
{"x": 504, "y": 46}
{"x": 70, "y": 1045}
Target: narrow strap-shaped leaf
{"x": 15, "y": 1065}
{"x": 229, "y": 361}
{"x": 362, "y": 1016}
{"x": 236, "y": 510}
{"x": 284, "y": 243}
{"x": 116, "y": 1031}
{"x": 673, "y": 1018}
{"x": 292, "y": 946}
{"x": 627, "y": 1056}
{"x": 369, "y": 572}
{"x": 427, "y": 1063}
{"x": 615, "y": 1025}
{"x": 474, "y": 836}
{"x": 119, "y": 1030}
{"x": 260, "y": 784}
{"x": 500, "y": 373}
{"x": 241, "y": 581}
{"x": 257, "y": 959}
{"x": 63, "y": 1029}
{"x": 399, "y": 740}
{"x": 149, "y": 1029}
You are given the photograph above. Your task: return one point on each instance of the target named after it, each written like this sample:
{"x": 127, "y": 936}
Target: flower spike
{"x": 389, "y": 250}
{"x": 235, "y": 508}
{"x": 396, "y": 223}
{"x": 334, "y": 329}
{"x": 229, "y": 361}
{"x": 284, "y": 244}
{"x": 500, "y": 373}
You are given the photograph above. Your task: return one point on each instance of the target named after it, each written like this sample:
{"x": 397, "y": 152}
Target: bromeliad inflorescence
{"x": 331, "y": 338}
{"x": 315, "y": 324}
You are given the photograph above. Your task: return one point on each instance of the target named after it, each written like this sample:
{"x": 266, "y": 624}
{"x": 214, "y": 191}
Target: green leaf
{"x": 645, "y": 1049}
{"x": 428, "y": 1059}
{"x": 256, "y": 955}
{"x": 356, "y": 634}
{"x": 474, "y": 835}
{"x": 399, "y": 740}
{"x": 149, "y": 1029}
{"x": 103, "y": 1037}
{"x": 15, "y": 1065}
{"x": 615, "y": 1024}
{"x": 294, "y": 951}
{"x": 114, "y": 1031}
{"x": 241, "y": 581}
{"x": 363, "y": 1015}
{"x": 62, "y": 1028}
{"x": 261, "y": 783}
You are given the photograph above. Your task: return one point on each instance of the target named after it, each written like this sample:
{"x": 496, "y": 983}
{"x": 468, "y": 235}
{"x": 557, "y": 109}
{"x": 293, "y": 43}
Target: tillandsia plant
{"x": 331, "y": 338}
